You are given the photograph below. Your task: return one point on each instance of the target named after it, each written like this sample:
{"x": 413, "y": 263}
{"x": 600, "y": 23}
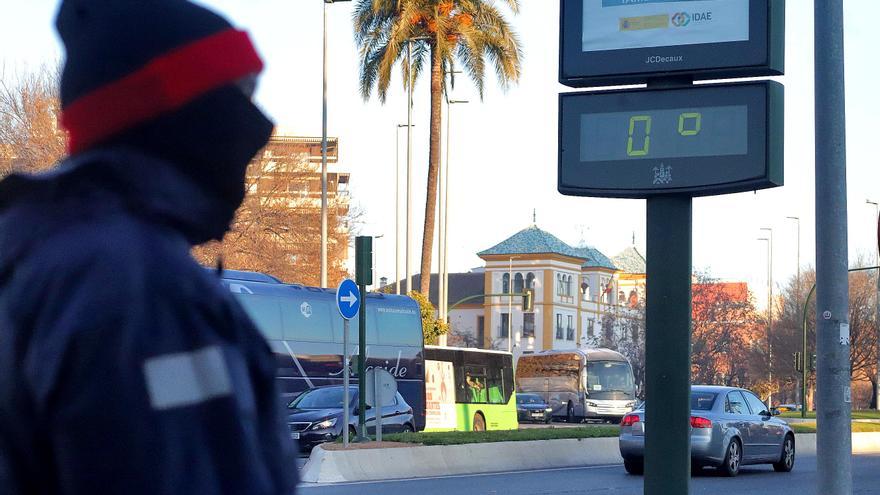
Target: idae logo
{"x": 681, "y": 19}
{"x": 685, "y": 19}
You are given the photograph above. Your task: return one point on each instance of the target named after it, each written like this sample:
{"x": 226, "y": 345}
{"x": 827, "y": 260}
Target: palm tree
{"x": 442, "y": 32}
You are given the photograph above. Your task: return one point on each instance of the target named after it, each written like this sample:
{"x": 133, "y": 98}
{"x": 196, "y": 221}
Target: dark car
{"x": 316, "y": 416}
{"x": 533, "y": 408}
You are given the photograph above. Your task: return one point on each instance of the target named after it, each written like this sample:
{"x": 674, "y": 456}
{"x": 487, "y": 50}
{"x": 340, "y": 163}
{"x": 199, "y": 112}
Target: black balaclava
{"x": 162, "y": 77}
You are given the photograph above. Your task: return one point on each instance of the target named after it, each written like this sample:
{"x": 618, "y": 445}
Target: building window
{"x": 621, "y": 298}
{"x": 569, "y": 331}
{"x": 606, "y": 290}
{"x": 559, "y": 285}
{"x": 505, "y": 283}
{"x": 481, "y": 330}
{"x": 568, "y": 288}
{"x": 591, "y": 327}
{"x": 559, "y": 331}
{"x": 528, "y": 324}
{"x": 505, "y": 325}
{"x": 585, "y": 291}
{"x": 518, "y": 283}
{"x": 530, "y": 281}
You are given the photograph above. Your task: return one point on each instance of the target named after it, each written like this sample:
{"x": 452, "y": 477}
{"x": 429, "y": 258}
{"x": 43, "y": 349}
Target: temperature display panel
{"x": 700, "y": 140}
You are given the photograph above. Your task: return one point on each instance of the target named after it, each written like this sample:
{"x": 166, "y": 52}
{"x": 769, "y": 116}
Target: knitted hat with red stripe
{"x": 129, "y": 61}
{"x": 162, "y": 77}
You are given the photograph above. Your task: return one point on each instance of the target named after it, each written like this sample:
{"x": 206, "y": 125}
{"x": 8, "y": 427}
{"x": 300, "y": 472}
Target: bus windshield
{"x": 610, "y": 379}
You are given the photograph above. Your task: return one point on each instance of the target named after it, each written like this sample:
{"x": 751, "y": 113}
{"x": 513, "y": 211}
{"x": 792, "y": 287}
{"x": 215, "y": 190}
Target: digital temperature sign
{"x": 700, "y": 140}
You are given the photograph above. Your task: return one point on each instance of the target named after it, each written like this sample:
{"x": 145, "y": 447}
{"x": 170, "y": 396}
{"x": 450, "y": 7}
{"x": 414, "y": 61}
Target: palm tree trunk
{"x": 433, "y": 169}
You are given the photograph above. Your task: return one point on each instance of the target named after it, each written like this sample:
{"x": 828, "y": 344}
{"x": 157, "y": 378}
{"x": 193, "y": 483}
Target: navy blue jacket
{"x": 124, "y": 366}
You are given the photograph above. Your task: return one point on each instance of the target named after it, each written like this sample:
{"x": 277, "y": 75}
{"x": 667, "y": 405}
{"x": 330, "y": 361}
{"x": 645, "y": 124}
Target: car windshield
{"x": 702, "y": 401}
{"x": 321, "y": 398}
{"x": 609, "y": 377}
{"x": 528, "y": 399}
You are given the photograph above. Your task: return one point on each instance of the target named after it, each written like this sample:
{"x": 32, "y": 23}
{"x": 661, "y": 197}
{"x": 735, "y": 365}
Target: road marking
{"x": 497, "y": 473}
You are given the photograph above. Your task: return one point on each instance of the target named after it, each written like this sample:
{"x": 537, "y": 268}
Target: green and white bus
{"x": 469, "y": 390}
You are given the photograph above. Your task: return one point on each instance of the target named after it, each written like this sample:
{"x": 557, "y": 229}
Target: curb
{"x": 325, "y": 466}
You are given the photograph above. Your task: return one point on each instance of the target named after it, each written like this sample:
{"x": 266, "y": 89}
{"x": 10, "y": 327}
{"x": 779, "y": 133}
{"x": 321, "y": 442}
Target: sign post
{"x": 348, "y": 301}
{"x": 381, "y": 389}
{"x": 669, "y": 143}
{"x": 363, "y": 253}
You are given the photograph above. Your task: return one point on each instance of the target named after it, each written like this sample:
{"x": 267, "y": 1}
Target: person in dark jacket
{"x": 125, "y": 368}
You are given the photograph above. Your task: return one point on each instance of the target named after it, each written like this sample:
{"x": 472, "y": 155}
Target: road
{"x": 613, "y": 480}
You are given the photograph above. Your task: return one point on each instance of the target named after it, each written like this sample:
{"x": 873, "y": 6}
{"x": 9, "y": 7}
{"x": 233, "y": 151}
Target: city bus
{"x": 580, "y": 384}
{"x": 304, "y": 330}
{"x": 469, "y": 390}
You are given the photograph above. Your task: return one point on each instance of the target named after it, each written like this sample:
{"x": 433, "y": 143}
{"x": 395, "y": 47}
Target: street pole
{"x": 324, "y": 163}
{"x": 444, "y": 248}
{"x": 770, "y": 316}
{"x": 397, "y": 207}
{"x": 668, "y": 345}
{"x": 363, "y": 276}
{"x": 409, "y": 103}
{"x": 803, "y": 387}
{"x": 324, "y": 155}
{"x": 877, "y": 307}
{"x": 833, "y": 411}
{"x": 346, "y": 378}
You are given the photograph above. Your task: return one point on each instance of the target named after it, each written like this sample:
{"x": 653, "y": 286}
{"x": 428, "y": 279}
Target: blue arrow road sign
{"x": 348, "y": 299}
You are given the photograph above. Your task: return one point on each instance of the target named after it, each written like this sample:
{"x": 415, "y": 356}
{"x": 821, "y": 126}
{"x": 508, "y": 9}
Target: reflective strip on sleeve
{"x": 187, "y": 378}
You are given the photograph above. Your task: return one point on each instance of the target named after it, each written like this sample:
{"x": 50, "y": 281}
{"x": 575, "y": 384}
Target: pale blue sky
{"x": 504, "y": 148}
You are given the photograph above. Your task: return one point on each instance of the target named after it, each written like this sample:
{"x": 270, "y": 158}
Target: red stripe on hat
{"x": 166, "y": 83}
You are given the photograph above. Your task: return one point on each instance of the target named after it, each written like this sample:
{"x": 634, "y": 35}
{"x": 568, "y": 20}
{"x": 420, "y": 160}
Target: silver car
{"x": 730, "y": 427}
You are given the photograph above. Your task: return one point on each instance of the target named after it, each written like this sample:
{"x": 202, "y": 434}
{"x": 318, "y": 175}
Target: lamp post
{"x": 877, "y": 307}
{"x": 409, "y": 126}
{"x": 769, "y": 241}
{"x": 397, "y": 207}
{"x": 324, "y": 156}
{"x": 444, "y": 218}
{"x": 798, "y": 290}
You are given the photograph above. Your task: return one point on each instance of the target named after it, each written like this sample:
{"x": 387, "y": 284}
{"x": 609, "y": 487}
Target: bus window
{"x": 265, "y": 311}
{"x": 308, "y": 320}
{"x": 496, "y": 386}
{"x": 475, "y": 383}
{"x": 398, "y": 326}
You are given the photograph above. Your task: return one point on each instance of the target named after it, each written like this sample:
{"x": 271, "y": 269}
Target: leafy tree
{"x": 473, "y": 33}
{"x": 432, "y": 327}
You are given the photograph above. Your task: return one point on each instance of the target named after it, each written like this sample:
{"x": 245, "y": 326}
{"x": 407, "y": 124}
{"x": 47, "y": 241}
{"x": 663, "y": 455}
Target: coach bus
{"x": 304, "y": 330}
{"x": 469, "y": 390}
{"x": 580, "y": 384}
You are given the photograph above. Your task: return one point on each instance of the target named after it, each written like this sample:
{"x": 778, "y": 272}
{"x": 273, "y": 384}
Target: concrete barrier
{"x": 334, "y": 466}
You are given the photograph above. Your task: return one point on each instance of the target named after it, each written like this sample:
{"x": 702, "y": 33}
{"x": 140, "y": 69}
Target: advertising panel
{"x": 439, "y": 395}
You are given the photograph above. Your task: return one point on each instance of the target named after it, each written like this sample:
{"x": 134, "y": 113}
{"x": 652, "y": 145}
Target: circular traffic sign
{"x": 348, "y": 299}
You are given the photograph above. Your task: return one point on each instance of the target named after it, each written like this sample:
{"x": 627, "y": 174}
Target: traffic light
{"x": 528, "y": 301}
{"x": 798, "y": 364}
{"x": 812, "y": 362}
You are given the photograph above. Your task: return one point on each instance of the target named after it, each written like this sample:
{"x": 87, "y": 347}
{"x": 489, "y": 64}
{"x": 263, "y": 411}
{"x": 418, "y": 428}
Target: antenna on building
{"x": 583, "y": 242}
{"x": 534, "y": 216}
{"x": 634, "y": 237}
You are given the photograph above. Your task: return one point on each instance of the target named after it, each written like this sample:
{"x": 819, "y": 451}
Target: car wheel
{"x": 633, "y": 466}
{"x": 786, "y": 461}
{"x": 479, "y": 422}
{"x": 569, "y": 414}
{"x": 406, "y": 429}
{"x": 352, "y": 433}
{"x": 732, "y": 459}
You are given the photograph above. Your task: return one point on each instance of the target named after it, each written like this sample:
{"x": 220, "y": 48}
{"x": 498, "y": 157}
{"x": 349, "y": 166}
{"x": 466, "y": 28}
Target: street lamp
{"x": 444, "y": 217}
{"x": 397, "y": 207}
{"x": 409, "y": 126}
{"x": 877, "y": 305}
{"x": 324, "y": 156}
{"x": 769, "y": 312}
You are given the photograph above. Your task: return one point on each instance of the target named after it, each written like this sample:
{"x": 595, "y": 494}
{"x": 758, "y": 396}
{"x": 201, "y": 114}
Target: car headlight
{"x": 323, "y": 425}
{"x": 592, "y": 404}
{"x": 549, "y": 409}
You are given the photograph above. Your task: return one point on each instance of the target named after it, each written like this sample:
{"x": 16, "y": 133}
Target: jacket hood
{"x": 102, "y": 182}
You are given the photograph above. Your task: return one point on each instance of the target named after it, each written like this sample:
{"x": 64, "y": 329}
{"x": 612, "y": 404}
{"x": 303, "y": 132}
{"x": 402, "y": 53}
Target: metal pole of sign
{"x": 833, "y": 394}
{"x": 377, "y": 405}
{"x": 346, "y": 372}
{"x": 668, "y": 346}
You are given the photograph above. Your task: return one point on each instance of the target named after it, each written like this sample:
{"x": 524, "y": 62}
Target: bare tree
{"x": 277, "y": 229}
{"x": 30, "y": 138}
